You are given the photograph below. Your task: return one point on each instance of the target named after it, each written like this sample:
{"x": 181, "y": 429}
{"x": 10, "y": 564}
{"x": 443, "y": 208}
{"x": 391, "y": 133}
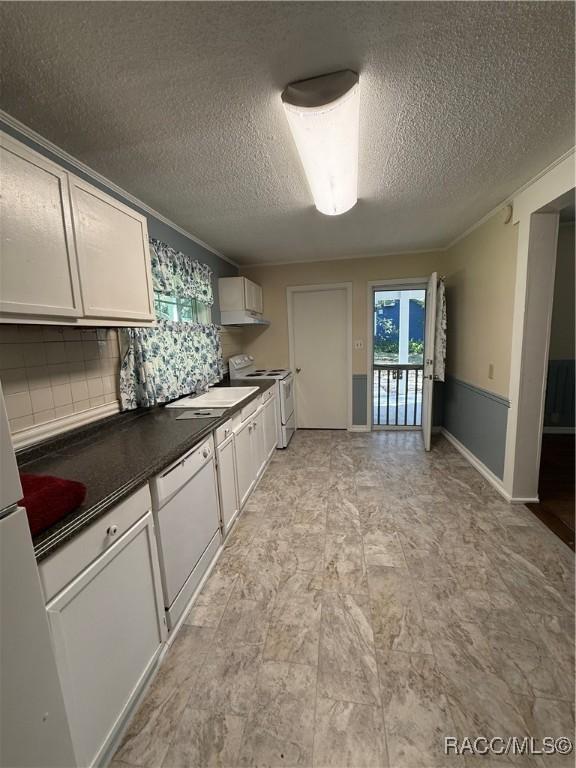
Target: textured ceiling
{"x": 179, "y": 103}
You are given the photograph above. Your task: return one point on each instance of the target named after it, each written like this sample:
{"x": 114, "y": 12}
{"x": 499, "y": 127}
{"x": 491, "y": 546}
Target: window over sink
{"x": 181, "y": 309}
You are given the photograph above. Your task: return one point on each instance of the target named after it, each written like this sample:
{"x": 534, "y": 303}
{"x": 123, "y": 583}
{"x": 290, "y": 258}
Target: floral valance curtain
{"x": 172, "y": 358}
{"x": 168, "y": 361}
{"x": 176, "y": 274}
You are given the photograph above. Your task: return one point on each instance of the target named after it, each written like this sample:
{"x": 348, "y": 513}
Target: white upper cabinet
{"x": 239, "y": 294}
{"x": 69, "y": 252}
{"x": 113, "y": 256}
{"x": 38, "y": 270}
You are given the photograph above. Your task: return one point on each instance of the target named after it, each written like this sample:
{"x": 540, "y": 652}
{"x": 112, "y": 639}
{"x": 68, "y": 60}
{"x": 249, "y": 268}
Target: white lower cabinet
{"x": 226, "y": 463}
{"x": 108, "y": 627}
{"x": 258, "y": 442}
{"x": 254, "y": 443}
{"x": 245, "y": 471}
{"x": 104, "y": 594}
{"x": 270, "y": 427}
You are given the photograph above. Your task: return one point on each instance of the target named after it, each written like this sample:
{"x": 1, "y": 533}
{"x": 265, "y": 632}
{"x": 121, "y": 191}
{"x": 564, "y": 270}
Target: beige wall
{"x": 562, "y": 334}
{"x": 270, "y": 345}
{"x": 481, "y": 274}
{"x": 480, "y": 271}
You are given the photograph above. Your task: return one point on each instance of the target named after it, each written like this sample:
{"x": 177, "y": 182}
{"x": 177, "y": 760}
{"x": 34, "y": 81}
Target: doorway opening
{"x": 556, "y": 486}
{"x": 398, "y": 338}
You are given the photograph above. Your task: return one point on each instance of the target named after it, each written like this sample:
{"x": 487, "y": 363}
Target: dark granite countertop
{"x": 116, "y": 456}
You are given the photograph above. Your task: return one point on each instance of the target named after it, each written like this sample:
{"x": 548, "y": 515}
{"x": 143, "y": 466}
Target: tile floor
{"x": 371, "y": 600}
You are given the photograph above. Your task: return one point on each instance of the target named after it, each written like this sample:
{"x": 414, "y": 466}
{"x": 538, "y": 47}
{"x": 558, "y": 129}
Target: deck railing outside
{"x": 397, "y": 395}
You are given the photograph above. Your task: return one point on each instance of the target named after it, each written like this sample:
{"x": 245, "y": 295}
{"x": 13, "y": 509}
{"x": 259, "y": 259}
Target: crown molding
{"x": 62, "y": 154}
{"x": 353, "y": 257}
{"x": 510, "y": 199}
{"x": 91, "y": 173}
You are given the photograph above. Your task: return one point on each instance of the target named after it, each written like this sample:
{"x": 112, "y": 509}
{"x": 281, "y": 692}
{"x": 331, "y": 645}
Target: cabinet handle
{"x": 112, "y": 530}
{"x": 206, "y": 453}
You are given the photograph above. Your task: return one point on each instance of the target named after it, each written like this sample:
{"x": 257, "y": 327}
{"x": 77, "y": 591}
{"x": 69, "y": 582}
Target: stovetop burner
{"x": 266, "y": 372}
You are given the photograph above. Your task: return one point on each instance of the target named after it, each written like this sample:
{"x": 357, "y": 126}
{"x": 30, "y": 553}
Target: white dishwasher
{"x": 187, "y": 522}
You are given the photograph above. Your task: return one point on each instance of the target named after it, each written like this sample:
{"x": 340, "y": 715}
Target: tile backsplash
{"x": 232, "y": 340}
{"x": 49, "y": 372}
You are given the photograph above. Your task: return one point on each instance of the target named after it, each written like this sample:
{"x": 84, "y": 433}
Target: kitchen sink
{"x": 221, "y": 397}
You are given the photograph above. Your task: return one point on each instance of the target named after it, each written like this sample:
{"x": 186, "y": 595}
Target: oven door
{"x": 286, "y": 398}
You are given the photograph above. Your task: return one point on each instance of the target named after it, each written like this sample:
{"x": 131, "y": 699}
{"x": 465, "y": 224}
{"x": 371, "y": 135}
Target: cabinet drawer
{"x": 251, "y": 408}
{"x": 224, "y": 431}
{"x": 268, "y": 395}
{"x": 166, "y": 484}
{"x": 64, "y": 565}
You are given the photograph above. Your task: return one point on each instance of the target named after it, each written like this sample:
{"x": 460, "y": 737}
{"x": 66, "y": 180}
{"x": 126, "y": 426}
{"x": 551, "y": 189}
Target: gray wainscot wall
{"x": 478, "y": 419}
{"x": 359, "y": 402}
{"x": 156, "y": 227}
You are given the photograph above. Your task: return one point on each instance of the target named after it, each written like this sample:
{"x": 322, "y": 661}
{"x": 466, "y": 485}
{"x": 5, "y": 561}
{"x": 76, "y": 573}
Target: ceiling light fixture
{"x": 323, "y": 114}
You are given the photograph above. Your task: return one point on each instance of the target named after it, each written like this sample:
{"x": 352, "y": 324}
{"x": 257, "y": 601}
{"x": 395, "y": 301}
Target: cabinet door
{"x": 113, "y": 255}
{"x": 245, "y": 464}
{"x": 259, "y": 441}
{"x": 258, "y": 301}
{"x": 231, "y": 292}
{"x": 252, "y": 296}
{"x": 107, "y": 628}
{"x": 270, "y": 426}
{"x": 37, "y": 252}
{"x": 227, "y": 482}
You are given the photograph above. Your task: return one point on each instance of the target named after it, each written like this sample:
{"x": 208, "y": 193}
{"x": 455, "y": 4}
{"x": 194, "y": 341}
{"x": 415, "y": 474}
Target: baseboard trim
{"x": 479, "y": 466}
{"x": 359, "y": 428}
{"x": 40, "y": 432}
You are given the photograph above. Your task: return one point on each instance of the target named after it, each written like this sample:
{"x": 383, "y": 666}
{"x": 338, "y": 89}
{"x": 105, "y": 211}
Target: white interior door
{"x": 320, "y": 355}
{"x": 429, "y": 338}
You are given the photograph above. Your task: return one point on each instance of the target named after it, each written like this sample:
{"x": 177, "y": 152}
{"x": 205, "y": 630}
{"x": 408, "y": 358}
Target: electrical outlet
{"x": 491, "y": 370}
{"x": 358, "y": 344}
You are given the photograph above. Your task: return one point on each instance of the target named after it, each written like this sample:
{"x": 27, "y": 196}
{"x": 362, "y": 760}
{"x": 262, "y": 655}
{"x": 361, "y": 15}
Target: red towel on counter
{"x": 48, "y": 498}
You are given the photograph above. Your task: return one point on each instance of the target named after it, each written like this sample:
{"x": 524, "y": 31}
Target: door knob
{"x": 298, "y": 370}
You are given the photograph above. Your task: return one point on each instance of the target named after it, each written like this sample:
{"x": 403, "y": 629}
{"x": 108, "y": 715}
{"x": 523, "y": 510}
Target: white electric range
{"x": 244, "y": 367}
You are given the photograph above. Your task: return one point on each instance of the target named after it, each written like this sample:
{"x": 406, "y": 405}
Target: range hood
{"x": 242, "y": 317}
